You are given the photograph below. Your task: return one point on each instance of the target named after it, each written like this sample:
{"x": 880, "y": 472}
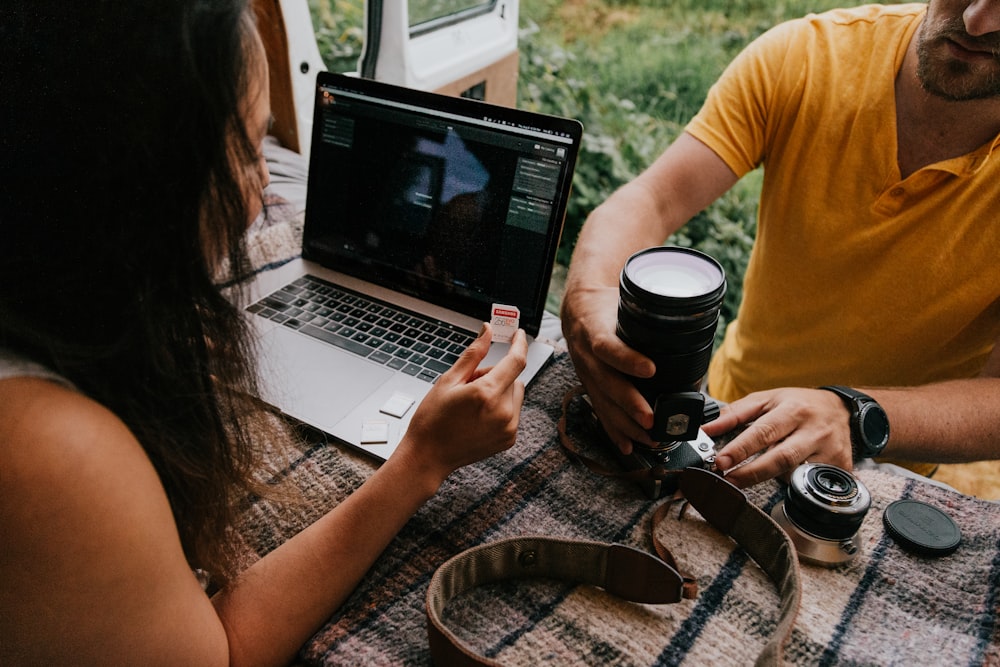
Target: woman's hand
{"x": 786, "y": 427}
{"x": 471, "y": 413}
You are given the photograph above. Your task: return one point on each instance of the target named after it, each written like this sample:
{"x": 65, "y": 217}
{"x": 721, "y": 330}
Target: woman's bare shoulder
{"x": 63, "y": 451}
{"x": 95, "y": 560}
{"x": 49, "y": 432}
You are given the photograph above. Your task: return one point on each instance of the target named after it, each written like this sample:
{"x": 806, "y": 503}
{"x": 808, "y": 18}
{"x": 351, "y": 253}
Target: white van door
{"x": 456, "y": 47}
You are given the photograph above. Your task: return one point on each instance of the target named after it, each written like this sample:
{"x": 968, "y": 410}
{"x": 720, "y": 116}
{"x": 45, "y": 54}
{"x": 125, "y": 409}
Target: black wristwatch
{"x": 869, "y": 423}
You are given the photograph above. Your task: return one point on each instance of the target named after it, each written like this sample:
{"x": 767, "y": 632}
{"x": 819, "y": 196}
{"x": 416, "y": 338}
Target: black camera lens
{"x": 826, "y": 501}
{"x": 668, "y": 309}
{"x": 822, "y": 512}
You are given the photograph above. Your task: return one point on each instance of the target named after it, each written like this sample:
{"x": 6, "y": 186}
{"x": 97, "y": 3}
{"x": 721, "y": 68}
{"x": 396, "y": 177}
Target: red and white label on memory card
{"x": 505, "y": 322}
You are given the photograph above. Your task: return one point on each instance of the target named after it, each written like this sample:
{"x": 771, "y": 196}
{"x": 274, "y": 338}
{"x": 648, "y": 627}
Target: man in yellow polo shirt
{"x": 877, "y": 258}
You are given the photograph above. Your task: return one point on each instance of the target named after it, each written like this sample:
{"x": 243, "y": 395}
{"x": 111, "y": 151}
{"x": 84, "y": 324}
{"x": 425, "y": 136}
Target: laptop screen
{"x": 457, "y": 202}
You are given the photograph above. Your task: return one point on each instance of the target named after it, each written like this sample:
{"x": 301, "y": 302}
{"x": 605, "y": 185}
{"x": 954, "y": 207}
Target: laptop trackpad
{"x": 314, "y": 382}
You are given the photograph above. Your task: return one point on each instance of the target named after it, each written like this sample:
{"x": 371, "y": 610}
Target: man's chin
{"x": 956, "y": 74}
{"x": 961, "y": 85}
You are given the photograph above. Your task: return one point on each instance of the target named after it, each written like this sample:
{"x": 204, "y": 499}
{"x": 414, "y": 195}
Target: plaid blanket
{"x": 886, "y": 607}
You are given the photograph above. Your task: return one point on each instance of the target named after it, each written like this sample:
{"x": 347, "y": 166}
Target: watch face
{"x": 875, "y": 427}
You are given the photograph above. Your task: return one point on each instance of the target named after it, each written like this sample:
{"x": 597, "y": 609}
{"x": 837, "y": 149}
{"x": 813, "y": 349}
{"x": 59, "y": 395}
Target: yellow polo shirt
{"x": 856, "y": 277}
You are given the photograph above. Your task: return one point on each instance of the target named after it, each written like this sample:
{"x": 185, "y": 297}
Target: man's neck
{"x": 930, "y": 128}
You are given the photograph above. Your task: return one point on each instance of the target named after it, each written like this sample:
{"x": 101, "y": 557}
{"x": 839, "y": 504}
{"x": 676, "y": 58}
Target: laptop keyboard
{"x": 382, "y": 333}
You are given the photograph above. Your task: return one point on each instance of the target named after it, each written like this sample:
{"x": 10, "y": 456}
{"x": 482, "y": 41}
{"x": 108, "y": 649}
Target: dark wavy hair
{"x": 122, "y": 153}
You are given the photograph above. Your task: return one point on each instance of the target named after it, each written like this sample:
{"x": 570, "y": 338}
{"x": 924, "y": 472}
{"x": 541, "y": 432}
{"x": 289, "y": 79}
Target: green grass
{"x": 633, "y": 72}
{"x": 339, "y": 26}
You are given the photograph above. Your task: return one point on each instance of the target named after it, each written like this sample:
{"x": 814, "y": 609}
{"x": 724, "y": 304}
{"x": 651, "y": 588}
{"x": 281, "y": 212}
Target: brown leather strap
{"x": 623, "y": 571}
{"x": 620, "y": 570}
{"x": 690, "y": 583}
{"x": 727, "y": 509}
{"x": 594, "y": 466}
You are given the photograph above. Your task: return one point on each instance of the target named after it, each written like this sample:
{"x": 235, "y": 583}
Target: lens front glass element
{"x": 832, "y": 484}
{"x": 666, "y": 272}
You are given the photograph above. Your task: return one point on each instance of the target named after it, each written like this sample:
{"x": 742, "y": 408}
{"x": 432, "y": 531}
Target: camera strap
{"x": 596, "y": 467}
{"x": 629, "y": 573}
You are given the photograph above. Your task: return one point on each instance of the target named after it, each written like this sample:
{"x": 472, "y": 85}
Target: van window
{"x": 426, "y": 15}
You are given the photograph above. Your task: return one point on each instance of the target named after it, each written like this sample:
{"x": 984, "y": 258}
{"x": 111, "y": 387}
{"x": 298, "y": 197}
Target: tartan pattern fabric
{"x": 885, "y": 607}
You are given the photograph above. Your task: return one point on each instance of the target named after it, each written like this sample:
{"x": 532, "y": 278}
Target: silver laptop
{"x": 423, "y": 211}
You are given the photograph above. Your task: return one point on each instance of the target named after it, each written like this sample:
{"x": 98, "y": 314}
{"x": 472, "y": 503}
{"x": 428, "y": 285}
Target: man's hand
{"x": 685, "y": 179}
{"x": 785, "y": 428}
{"x": 604, "y": 365}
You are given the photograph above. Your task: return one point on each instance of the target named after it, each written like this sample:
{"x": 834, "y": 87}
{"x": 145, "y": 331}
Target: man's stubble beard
{"x": 952, "y": 79}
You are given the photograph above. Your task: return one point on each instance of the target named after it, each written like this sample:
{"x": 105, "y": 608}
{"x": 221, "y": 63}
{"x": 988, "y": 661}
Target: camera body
{"x": 823, "y": 509}
{"x": 668, "y": 309}
{"x": 673, "y": 456}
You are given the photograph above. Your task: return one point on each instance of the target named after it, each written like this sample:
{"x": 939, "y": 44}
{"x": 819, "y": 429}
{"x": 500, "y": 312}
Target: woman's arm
{"x": 279, "y": 602}
{"x": 95, "y": 573}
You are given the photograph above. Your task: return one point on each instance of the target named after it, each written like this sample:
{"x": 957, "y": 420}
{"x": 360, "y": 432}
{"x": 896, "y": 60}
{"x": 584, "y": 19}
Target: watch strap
{"x": 847, "y": 393}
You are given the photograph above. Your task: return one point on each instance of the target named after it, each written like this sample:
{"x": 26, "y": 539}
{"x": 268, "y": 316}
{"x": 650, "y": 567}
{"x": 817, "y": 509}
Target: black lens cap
{"x": 921, "y": 528}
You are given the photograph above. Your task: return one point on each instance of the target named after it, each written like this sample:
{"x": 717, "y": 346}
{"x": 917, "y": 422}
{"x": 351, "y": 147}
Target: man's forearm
{"x": 616, "y": 229}
{"x": 946, "y": 422}
{"x": 643, "y": 213}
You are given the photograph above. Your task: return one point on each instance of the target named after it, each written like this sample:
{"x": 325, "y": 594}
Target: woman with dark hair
{"x": 131, "y": 165}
